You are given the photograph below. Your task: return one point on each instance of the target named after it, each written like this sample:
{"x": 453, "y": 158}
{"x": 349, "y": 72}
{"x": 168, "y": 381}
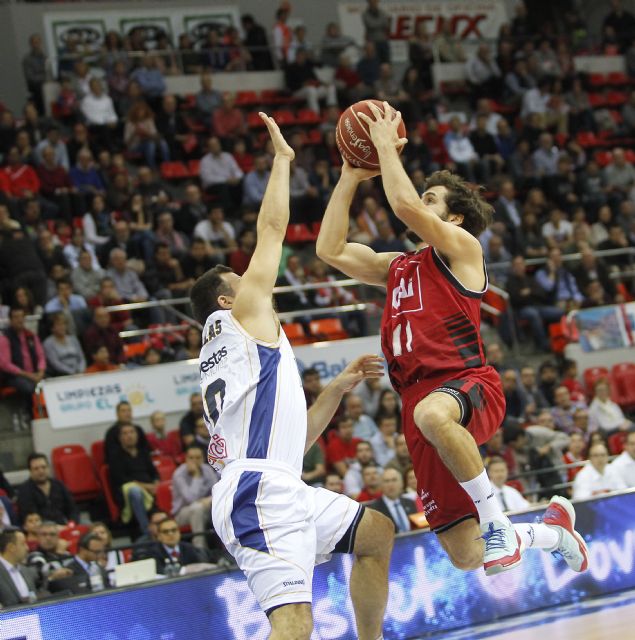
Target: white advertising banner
{"x": 468, "y": 19}
{"x": 87, "y": 33}
{"x": 78, "y": 401}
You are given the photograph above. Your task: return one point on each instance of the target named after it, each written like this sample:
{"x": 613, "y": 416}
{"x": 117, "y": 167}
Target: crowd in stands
{"x": 129, "y": 193}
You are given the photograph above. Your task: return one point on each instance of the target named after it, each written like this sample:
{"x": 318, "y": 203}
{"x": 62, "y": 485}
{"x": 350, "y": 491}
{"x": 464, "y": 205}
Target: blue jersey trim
{"x": 262, "y": 413}
{"x": 244, "y": 514}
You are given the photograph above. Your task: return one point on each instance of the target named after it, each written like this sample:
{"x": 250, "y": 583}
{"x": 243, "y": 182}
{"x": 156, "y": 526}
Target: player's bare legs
{"x": 437, "y": 417}
{"x": 369, "y": 577}
{"x": 291, "y": 622}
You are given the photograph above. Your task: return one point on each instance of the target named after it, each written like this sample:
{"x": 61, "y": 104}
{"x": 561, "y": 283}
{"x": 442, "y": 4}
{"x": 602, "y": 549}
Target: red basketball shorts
{"x": 480, "y": 395}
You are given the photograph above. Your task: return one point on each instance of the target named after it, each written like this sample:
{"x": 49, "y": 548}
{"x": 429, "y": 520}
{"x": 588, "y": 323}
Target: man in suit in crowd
{"x": 392, "y": 504}
{"x": 91, "y": 547}
{"x": 17, "y": 584}
{"x": 47, "y": 561}
{"x": 45, "y": 495}
{"x": 169, "y": 550}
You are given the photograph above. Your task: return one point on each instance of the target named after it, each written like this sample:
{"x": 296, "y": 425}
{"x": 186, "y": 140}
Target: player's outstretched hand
{"x": 280, "y": 145}
{"x": 383, "y": 127}
{"x": 366, "y": 366}
{"x": 357, "y": 174}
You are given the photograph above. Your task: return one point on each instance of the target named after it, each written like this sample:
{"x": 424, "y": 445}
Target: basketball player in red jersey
{"x": 452, "y": 401}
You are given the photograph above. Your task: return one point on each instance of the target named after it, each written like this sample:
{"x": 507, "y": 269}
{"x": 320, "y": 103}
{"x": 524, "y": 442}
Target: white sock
{"x": 482, "y": 494}
{"x": 539, "y": 536}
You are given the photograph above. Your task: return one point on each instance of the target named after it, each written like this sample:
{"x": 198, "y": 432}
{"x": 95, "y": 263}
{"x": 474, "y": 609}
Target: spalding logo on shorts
{"x": 356, "y": 141}
{"x": 217, "y": 449}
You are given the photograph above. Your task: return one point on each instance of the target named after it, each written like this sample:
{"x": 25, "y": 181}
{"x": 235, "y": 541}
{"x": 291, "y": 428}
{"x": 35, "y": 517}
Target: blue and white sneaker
{"x": 503, "y": 547}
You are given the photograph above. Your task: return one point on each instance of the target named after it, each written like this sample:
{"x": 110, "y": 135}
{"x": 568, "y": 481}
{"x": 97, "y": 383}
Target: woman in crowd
{"x": 64, "y": 355}
{"x": 192, "y": 347}
{"x": 141, "y": 135}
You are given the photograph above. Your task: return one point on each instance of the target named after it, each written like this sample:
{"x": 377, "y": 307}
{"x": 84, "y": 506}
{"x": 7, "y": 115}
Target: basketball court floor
{"x": 607, "y": 618}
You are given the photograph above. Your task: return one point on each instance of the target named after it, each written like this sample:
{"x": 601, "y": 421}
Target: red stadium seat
{"x": 284, "y": 117}
{"x": 314, "y": 136}
{"x": 295, "y": 333}
{"x": 174, "y": 171}
{"x": 246, "y": 99}
{"x": 59, "y": 453}
{"x": 297, "y": 233}
{"x": 603, "y": 158}
{"x": 597, "y": 80}
{"x": 97, "y": 454}
{"x": 78, "y": 474}
{"x": 623, "y": 379}
{"x": 163, "y": 496}
{"x": 165, "y": 466}
{"x": 194, "y": 168}
{"x": 73, "y": 535}
{"x": 618, "y": 79}
{"x": 328, "y": 329}
{"x": 308, "y": 116}
{"x": 174, "y": 437}
{"x": 617, "y": 442}
{"x": 113, "y": 507}
{"x": 254, "y": 121}
{"x": 592, "y": 375}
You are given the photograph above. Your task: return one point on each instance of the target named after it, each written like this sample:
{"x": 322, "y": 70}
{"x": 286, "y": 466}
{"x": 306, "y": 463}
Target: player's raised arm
{"x": 253, "y": 306}
{"x": 451, "y": 240}
{"x": 354, "y": 259}
{"x": 324, "y": 408}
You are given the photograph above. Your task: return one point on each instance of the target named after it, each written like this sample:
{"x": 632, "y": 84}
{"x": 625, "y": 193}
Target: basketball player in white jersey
{"x": 274, "y": 525}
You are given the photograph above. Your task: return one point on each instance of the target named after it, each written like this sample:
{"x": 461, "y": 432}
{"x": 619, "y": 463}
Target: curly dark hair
{"x": 465, "y": 199}
{"x": 204, "y": 294}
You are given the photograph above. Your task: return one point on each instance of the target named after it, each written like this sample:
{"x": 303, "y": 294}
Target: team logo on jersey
{"x": 217, "y": 449}
{"x": 214, "y": 360}
{"x": 404, "y": 290}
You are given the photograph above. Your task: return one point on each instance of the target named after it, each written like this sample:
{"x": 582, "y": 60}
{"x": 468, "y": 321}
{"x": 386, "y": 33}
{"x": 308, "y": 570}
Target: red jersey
{"x": 430, "y": 327}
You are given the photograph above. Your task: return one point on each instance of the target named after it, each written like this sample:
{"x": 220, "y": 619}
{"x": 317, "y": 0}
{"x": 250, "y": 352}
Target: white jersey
{"x": 253, "y": 399}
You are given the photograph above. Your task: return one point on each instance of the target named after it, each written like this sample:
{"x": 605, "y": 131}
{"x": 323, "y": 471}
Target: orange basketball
{"x": 353, "y": 139}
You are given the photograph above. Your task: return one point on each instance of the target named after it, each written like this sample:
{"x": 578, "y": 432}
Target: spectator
{"x": 334, "y": 44}
{"x": 55, "y": 183}
{"x": 545, "y": 157}
{"x": 199, "y": 259}
{"x": 32, "y": 522}
{"x": 303, "y": 83}
{"x": 166, "y": 234}
{"x": 368, "y": 67}
{"x": 192, "y": 483}
{"x": 564, "y": 409}
{"x": 191, "y": 212}
{"x": 392, "y": 504}
{"x": 597, "y": 477}
{"x": 208, "y": 99}
{"x": 163, "y": 276}
{"x": 621, "y": 21}
{"x": 514, "y": 400}
{"x": 384, "y": 441}
{"x": 173, "y": 128}
{"x": 482, "y": 73}
{"x": 64, "y": 354}
{"x": 201, "y": 435}
{"x": 99, "y": 111}
{"x": 228, "y": 121}
{"x": 342, "y": 446}
{"x": 127, "y": 282}
{"x": 281, "y": 36}
{"x": 624, "y": 464}
{"x": 157, "y": 438}
{"x": 217, "y": 231}
{"x": 239, "y": 258}
{"x": 170, "y": 552}
{"x": 353, "y": 480}
{"x": 187, "y": 424}
{"x": 22, "y": 359}
{"x": 191, "y": 348}
{"x": 87, "y": 574}
{"x": 220, "y": 174}
{"x": 377, "y": 29}
{"x": 47, "y": 560}
{"x": 45, "y": 495}
{"x": 533, "y": 396}
{"x": 371, "y": 484}
{"x": 401, "y": 461}
{"x": 529, "y": 302}
{"x": 100, "y": 358}
{"x": 101, "y": 334}
{"x": 448, "y": 45}
{"x": 256, "y": 43}
{"x": 85, "y": 177}
{"x": 575, "y": 453}
{"x": 558, "y": 231}
{"x": 141, "y": 135}
{"x": 311, "y": 384}
{"x": 617, "y": 240}
{"x": 133, "y": 476}
{"x": 34, "y": 69}
{"x": 22, "y": 179}
{"x": 509, "y": 498}
{"x": 255, "y": 183}
{"x": 485, "y": 147}
{"x": 68, "y": 303}
{"x": 17, "y": 584}
{"x": 54, "y": 141}
{"x": 619, "y": 175}
{"x": 313, "y": 467}
{"x": 363, "y": 425}
{"x": 558, "y": 284}
{"x": 460, "y": 150}
{"x": 334, "y": 483}
{"x": 112, "y": 557}
{"x": 144, "y": 543}
{"x": 606, "y": 413}
{"x": 150, "y": 79}
{"x": 86, "y": 278}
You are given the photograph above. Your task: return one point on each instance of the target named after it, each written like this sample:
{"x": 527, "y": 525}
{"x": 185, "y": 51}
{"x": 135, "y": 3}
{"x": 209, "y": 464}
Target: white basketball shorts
{"x": 277, "y": 528}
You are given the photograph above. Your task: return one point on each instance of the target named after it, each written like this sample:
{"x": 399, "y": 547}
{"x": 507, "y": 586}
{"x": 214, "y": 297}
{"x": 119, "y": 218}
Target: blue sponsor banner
{"x": 427, "y": 595}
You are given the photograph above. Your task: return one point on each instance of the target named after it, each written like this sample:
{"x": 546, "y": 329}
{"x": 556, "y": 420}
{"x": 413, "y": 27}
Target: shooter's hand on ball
{"x": 280, "y": 145}
{"x": 349, "y": 172}
{"x": 383, "y": 128}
